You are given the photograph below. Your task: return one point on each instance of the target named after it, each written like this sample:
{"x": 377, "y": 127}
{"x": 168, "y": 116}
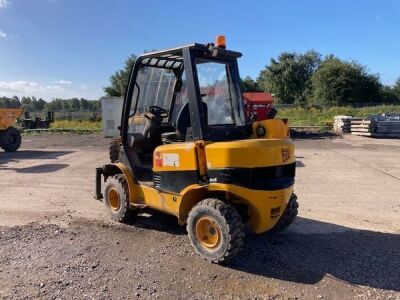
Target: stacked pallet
{"x": 377, "y": 126}
{"x": 342, "y": 124}
{"x": 360, "y": 126}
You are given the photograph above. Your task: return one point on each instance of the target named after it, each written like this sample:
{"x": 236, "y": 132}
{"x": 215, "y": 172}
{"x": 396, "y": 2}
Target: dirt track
{"x": 57, "y": 242}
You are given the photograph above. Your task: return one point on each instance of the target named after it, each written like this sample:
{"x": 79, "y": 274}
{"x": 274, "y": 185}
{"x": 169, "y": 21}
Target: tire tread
{"x": 289, "y": 215}
{"x": 121, "y": 185}
{"x": 233, "y": 221}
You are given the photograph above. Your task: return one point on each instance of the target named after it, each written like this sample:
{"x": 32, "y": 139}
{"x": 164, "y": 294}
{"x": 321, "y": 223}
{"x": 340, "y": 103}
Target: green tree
{"x": 84, "y": 104}
{"x": 249, "y": 85}
{"x": 74, "y": 104}
{"x": 13, "y": 102}
{"x": 396, "y": 88}
{"x": 339, "y": 82}
{"x": 39, "y": 104}
{"x": 288, "y": 78}
{"x": 26, "y": 104}
{"x": 389, "y": 95}
{"x": 54, "y": 105}
{"x": 120, "y": 79}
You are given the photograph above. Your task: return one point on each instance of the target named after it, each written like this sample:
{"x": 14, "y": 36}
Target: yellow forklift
{"x": 188, "y": 150}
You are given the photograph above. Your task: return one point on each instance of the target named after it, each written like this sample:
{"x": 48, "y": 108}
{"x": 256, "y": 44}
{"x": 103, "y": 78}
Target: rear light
{"x": 158, "y": 160}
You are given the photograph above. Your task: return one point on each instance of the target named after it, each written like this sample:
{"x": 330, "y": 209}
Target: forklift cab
{"x": 180, "y": 95}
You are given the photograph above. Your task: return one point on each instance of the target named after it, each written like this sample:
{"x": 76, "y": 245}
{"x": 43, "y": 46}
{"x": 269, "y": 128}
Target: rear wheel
{"x": 10, "y": 139}
{"x": 289, "y": 215}
{"x": 215, "y": 230}
{"x": 116, "y": 198}
{"x": 113, "y": 149}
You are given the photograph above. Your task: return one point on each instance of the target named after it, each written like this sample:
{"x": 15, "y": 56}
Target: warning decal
{"x": 170, "y": 160}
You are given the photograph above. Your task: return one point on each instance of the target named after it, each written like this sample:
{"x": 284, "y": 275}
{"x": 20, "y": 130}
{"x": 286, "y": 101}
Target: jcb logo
{"x": 285, "y": 155}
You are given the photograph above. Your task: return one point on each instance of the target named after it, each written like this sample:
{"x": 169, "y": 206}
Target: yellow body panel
{"x": 158, "y": 200}
{"x": 275, "y": 129}
{"x": 8, "y": 116}
{"x": 264, "y": 206}
{"x": 260, "y": 203}
{"x": 250, "y": 153}
{"x": 180, "y": 156}
{"x": 141, "y": 195}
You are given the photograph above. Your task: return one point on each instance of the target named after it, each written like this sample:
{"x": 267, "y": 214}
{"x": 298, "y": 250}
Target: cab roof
{"x": 173, "y": 58}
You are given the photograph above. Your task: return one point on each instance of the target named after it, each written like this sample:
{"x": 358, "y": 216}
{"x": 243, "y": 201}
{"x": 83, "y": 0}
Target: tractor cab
{"x": 180, "y": 95}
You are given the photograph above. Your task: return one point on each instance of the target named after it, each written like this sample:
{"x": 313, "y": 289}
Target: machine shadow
{"x": 301, "y": 135}
{"x": 45, "y": 168}
{"x": 154, "y": 220}
{"x": 313, "y": 249}
{"x": 30, "y": 154}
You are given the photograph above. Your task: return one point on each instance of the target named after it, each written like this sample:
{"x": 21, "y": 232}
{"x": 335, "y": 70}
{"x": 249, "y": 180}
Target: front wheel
{"x": 116, "y": 199}
{"x": 215, "y": 230}
{"x": 10, "y": 139}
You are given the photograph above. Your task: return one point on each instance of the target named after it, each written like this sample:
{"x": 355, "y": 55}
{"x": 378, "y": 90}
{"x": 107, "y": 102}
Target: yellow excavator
{"x": 188, "y": 150}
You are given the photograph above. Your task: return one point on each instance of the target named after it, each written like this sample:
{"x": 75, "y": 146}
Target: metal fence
{"x": 71, "y": 115}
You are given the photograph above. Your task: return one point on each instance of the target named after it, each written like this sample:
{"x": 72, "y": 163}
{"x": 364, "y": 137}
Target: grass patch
{"x": 324, "y": 116}
{"x": 77, "y": 125}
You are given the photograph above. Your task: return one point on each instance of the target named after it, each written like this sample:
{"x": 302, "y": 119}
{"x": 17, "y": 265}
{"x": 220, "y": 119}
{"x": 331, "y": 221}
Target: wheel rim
{"x": 208, "y": 233}
{"x": 113, "y": 199}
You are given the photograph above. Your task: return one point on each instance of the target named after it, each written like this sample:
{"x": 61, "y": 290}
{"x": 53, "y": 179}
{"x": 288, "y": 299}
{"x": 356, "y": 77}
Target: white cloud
{"x": 3, "y": 3}
{"x": 2, "y": 33}
{"x": 22, "y": 86}
{"x": 61, "y": 81}
{"x": 47, "y": 91}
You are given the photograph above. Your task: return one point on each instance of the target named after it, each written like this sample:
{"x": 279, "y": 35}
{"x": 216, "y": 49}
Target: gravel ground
{"x": 73, "y": 251}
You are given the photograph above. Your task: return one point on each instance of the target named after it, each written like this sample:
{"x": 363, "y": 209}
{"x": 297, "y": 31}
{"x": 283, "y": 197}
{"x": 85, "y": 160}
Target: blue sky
{"x": 69, "y": 48}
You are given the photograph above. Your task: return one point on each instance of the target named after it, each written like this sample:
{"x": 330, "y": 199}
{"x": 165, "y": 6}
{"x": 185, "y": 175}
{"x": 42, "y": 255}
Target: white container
{"x": 111, "y": 115}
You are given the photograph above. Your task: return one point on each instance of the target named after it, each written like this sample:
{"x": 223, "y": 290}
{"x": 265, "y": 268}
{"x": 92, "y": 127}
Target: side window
{"x": 181, "y": 98}
{"x": 215, "y": 89}
{"x": 154, "y": 86}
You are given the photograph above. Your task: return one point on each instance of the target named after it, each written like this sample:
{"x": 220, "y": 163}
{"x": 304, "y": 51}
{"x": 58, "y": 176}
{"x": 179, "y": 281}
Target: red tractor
{"x": 259, "y": 105}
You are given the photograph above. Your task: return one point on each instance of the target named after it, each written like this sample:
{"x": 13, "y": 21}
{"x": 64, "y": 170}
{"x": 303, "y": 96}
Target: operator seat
{"x": 182, "y": 125}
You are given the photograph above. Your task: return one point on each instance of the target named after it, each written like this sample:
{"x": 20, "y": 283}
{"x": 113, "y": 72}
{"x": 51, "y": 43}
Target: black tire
{"x": 10, "y": 139}
{"x": 116, "y": 186}
{"x": 113, "y": 149}
{"x": 289, "y": 215}
{"x": 228, "y": 226}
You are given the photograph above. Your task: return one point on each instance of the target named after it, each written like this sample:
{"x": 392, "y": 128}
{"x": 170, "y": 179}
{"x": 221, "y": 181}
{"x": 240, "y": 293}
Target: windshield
{"x": 217, "y": 89}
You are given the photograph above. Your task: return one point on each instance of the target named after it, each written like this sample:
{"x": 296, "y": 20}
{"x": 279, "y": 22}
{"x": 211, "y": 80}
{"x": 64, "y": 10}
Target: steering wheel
{"x": 159, "y": 112}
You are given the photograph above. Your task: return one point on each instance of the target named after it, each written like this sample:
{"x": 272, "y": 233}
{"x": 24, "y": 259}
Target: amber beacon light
{"x": 220, "y": 41}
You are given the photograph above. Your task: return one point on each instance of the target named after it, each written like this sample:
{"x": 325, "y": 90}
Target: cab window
{"x": 218, "y": 93}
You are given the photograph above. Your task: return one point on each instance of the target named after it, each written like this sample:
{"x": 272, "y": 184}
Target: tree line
{"x": 308, "y": 79}
{"x": 305, "y": 79}
{"x": 31, "y": 104}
